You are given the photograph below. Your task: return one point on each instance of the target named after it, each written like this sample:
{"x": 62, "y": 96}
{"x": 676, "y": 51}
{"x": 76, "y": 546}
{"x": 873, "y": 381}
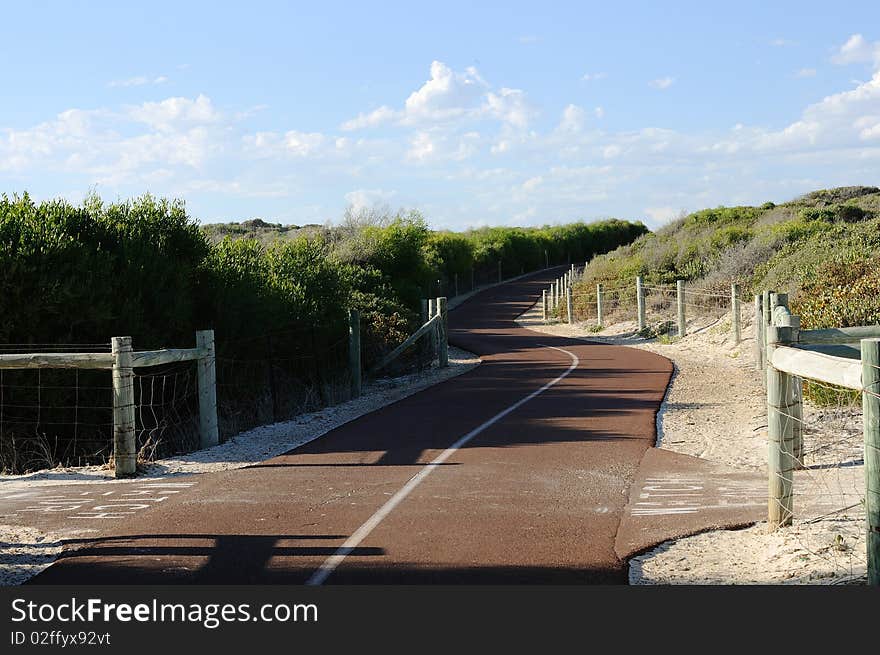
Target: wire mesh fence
{"x": 825, "y": 446}
{"x": 51, "y": 417}
{"x": 602, "y": 305}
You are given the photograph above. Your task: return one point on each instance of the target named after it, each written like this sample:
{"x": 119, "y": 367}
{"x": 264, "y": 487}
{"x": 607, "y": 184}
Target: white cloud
{"x": 857, "y": 50}
{"x": 572, "y": 119}
{"x": 806, "y": 72}
{"x": 173, "y": 113}
{"x": 662, "y": 83}
{"x": 303, "y": 144}
{"x": 532, "y": 183}
{"x": 611, "y": 151}
{"x": 451, "y": 99}
{"x": 458, "y": 137}
{"x": 421, "y": 148}
{"x": 445, "y": 95}
{"x": 383, "y": 114}
{"x": 510, "y": 107}
{"x": 782, "y": 43}
{"x": 660, "y": 215}
{"x": 590, "y": 77}
{"x": 361, "y": 199}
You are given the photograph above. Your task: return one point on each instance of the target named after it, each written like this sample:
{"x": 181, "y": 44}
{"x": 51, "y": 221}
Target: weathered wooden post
{"x": 124, "y": 445}
{"x": 569, "y": 311}
{"x": 759, "y": 333}
{"x": 435, "y": 342}
{"x": 796, "y": 401}
{"x": 600, "y": 301}
{"x": 871, "y": 417}
{"x": 780, "y": 461}
{"x": 206, "y": 366}
{"x": 544, "y": 305}
{"x": 640, "y": 302}
{"x": 354, "y": 351}
{"x": 682, "y": 325}
{"x": 442, "y": 333}
{"x": 499, "y": 271}
{"x": 767, "y": 319}
{"x": 424, "y": 315}
{"x": 734, "y": 313}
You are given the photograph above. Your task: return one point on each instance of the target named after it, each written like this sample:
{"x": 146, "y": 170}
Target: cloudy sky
{"x": 501, "y": 113}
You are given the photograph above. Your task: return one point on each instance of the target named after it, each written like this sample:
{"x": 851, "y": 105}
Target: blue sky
{"x": 502, "y": 113}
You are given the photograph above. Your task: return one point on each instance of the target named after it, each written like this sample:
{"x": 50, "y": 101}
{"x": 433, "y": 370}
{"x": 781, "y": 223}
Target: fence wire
{"x": 702, "y": 307}
{"x": 826, "y": 448}
{"x": 52, "y": 417}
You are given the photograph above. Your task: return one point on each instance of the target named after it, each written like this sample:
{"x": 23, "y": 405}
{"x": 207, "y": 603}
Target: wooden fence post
{"x": 759, "y": 333}
{"x": 442, "y": 333}
{"x": 734, "y": 311}
{"x": 795, "y": 401}
{"x": 124, "y": 445}
{"x": 435, "y": 342}
{"x": 767, "y": 316}
{"x": 871, "y": 417}
{"x": 780, "y": 461}
{"x": 354, "y": 351}
{"x": 568, "y": 305}
{"x": 682, "y": 325}
{"x": 206, "y": 365}
{"x": 640, "y": 302}
{"x": 427, "y": 344}
{"x": 599, "y": 302}
{"x": 544, "y": 305}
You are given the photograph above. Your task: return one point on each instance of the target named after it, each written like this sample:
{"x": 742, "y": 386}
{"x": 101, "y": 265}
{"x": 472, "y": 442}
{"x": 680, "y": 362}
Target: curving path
{"x": 520, "y": 470}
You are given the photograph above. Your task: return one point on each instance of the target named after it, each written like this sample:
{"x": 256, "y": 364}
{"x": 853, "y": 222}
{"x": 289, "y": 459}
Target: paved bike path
{"x": 521, "y": 470}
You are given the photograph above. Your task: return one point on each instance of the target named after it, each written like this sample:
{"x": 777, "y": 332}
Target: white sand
{"x": 716, "y": 409}
{"x": 24, "y": 552}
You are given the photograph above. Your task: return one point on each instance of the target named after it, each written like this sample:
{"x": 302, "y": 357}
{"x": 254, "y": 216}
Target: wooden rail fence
{"x": 560, "y": 290}
{"x": 828, "y": 356}
{"x": 121, "y": 361}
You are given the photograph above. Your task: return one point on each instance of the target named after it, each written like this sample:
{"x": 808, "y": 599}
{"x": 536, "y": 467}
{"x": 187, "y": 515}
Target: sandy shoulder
{"x": 715, "y": 408}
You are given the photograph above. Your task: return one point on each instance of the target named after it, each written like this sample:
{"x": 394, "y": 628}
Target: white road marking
{"x": 82, "y": 504}
{"x": 672, "y": 495}
{"x": 330, "y": 564}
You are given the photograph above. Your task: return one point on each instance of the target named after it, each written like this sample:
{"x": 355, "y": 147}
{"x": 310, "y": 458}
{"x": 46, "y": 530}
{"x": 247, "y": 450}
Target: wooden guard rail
{"x": 121, "y": 361}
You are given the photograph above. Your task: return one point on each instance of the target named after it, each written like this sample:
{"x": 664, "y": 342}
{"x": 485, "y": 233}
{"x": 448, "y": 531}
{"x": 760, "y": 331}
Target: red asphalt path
{"x": 549, "y": 434}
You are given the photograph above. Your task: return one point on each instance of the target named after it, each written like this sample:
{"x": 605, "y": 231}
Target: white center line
{"x": 330, "y": 564}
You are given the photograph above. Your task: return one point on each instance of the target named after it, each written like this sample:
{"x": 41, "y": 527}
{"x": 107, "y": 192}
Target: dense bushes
{"x": 277, "y": 298}
{"x": 821, "y": 248}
